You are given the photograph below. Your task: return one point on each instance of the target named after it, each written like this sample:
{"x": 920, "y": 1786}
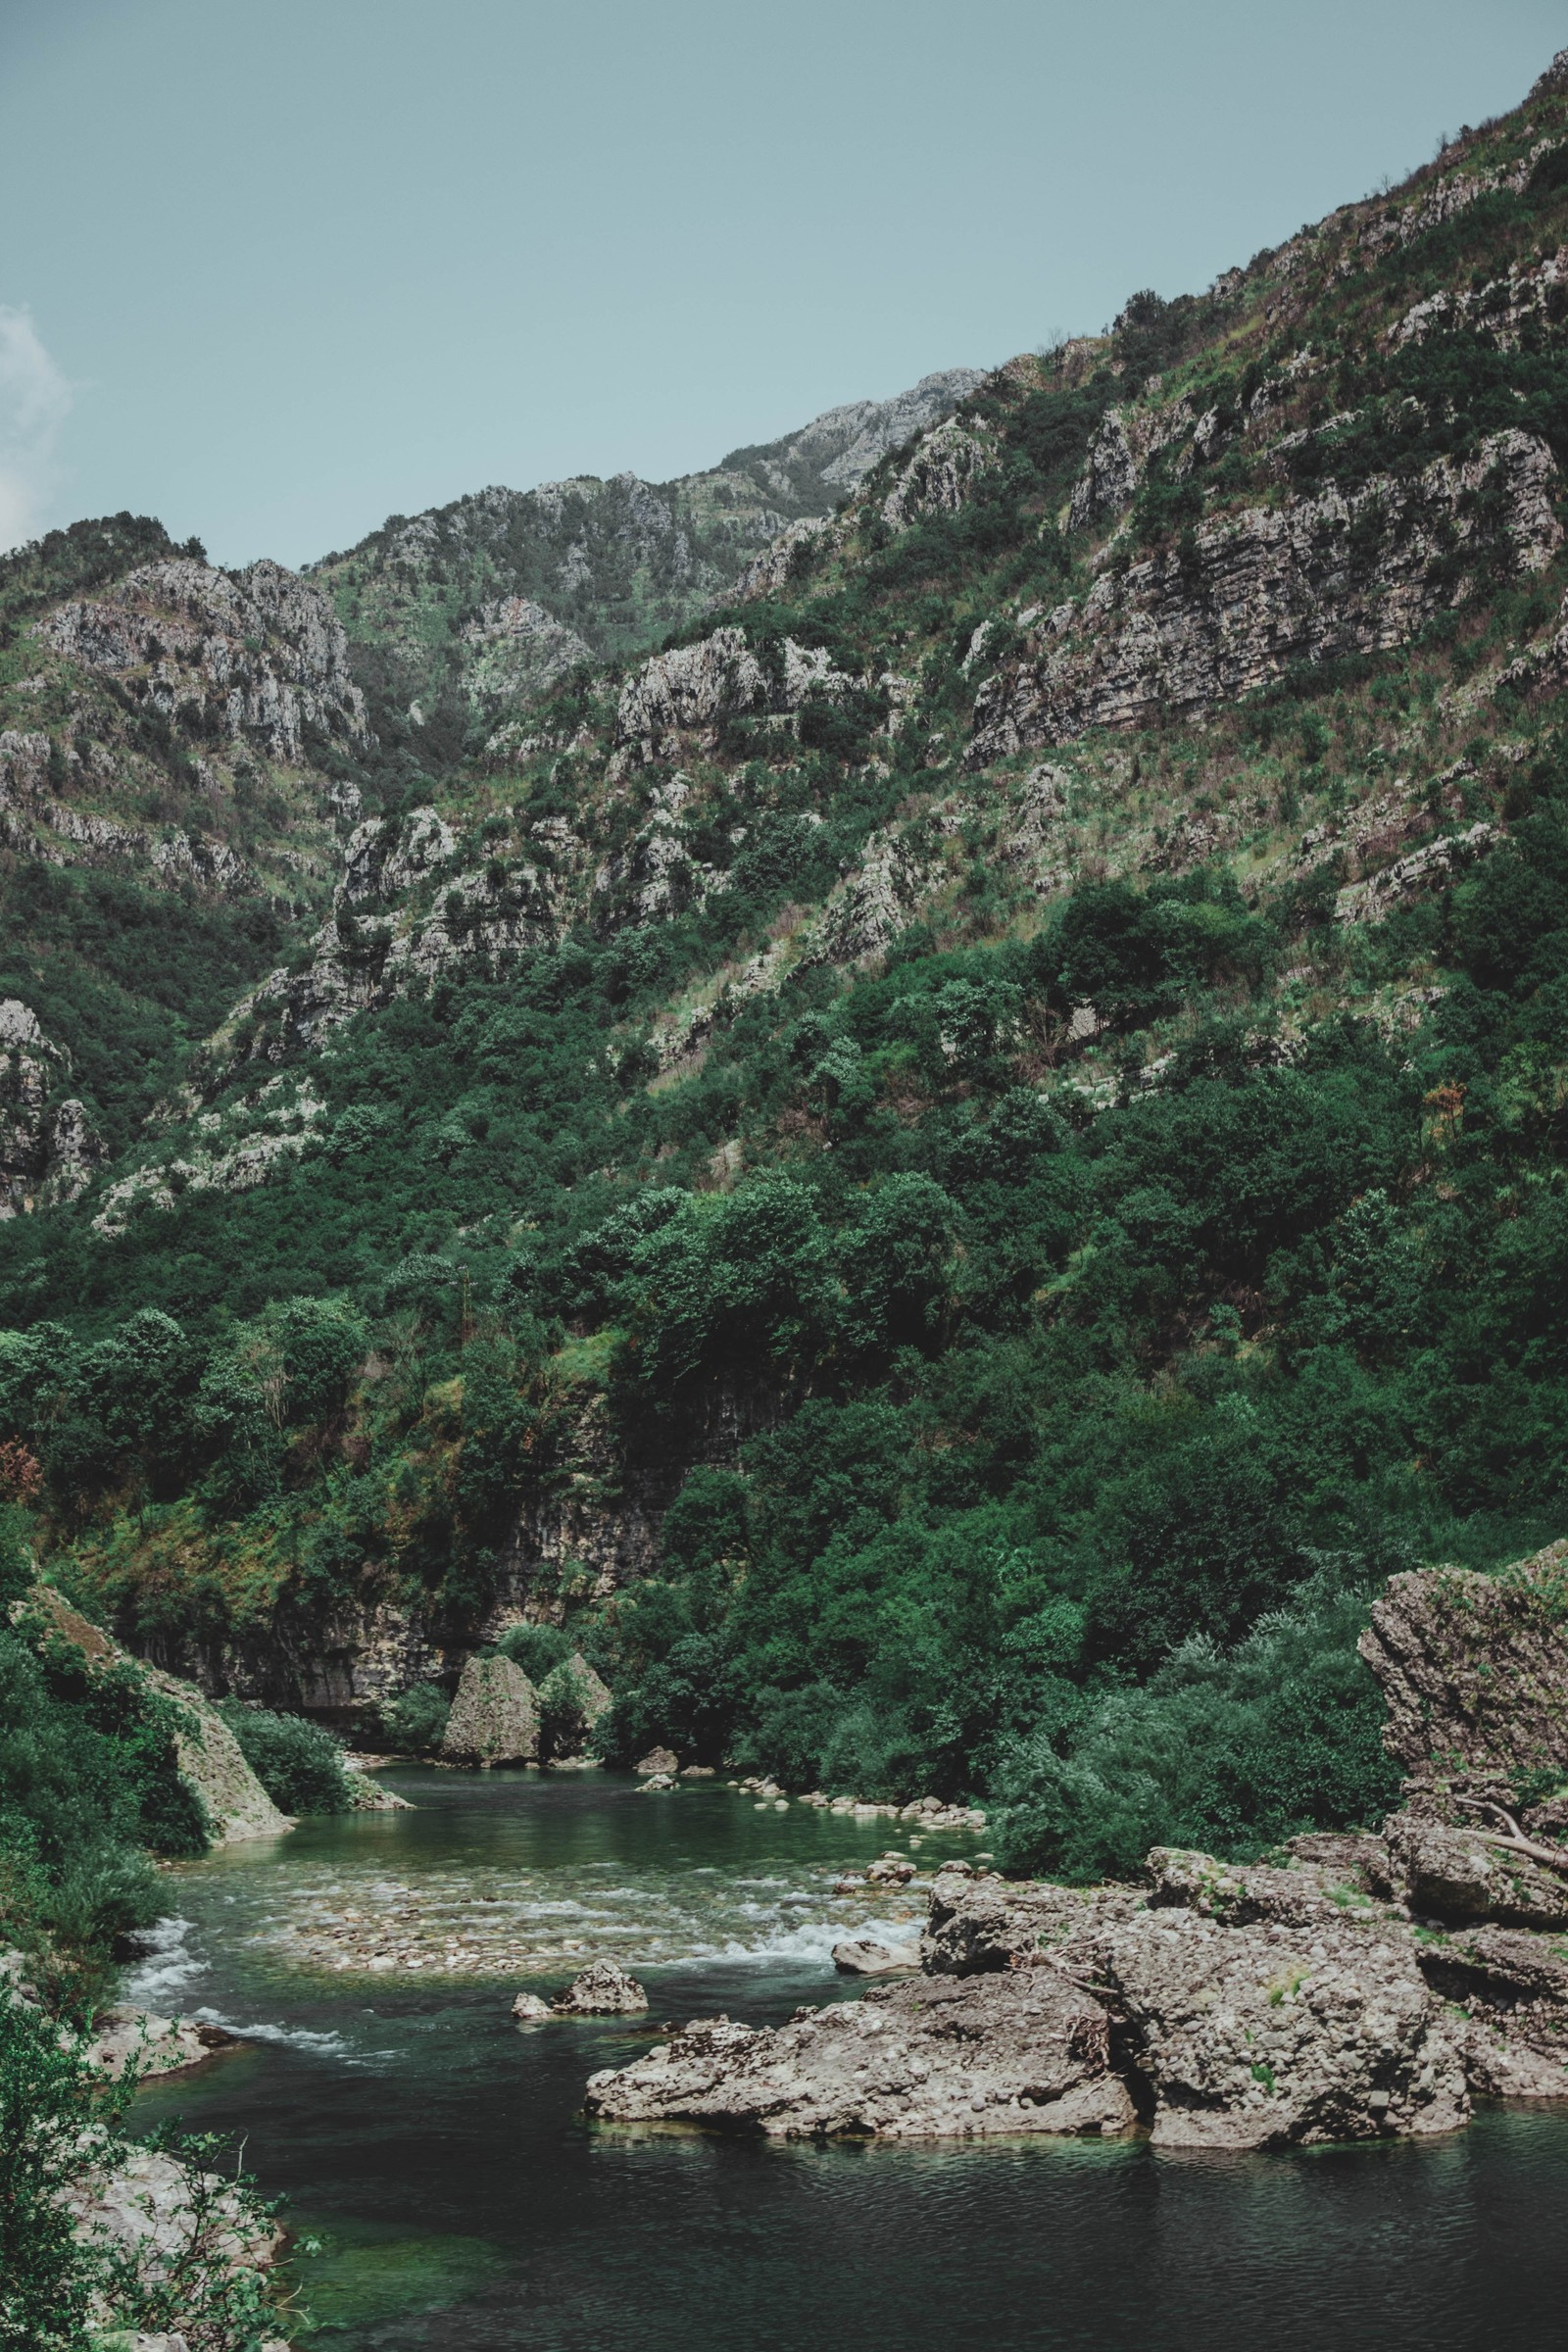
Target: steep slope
{"x": 955, "y": 1165}
{"x": 459, "y": 616}
{"x": 175, "y": 749}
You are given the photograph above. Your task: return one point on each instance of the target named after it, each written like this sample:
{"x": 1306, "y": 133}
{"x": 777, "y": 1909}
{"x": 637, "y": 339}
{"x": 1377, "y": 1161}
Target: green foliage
{"x": 88, "y": 1780}
{"x": 62, "y": 2126}
{"x": 1227, "y": 1751}
{"x": 56, "y": 2119}
{"x": 537, "y": 1648}
{"x": 299, "y": 1764}
{"x": 411, "y": 1724}
{"x": 1041, "y": 1299}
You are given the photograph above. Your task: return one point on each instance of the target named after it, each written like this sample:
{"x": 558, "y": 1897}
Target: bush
{"x": 537, "y": 1648}
{"x": 412, "y": 1723}
{"x": 1230, "y": 1752}
{"x": 563, "y": 1711}
{"x": 61, "y": 2121}
{"x": 56, "y": 2116}
{"x": 87, "y": 1779}
{"x": 299, "y": 1764}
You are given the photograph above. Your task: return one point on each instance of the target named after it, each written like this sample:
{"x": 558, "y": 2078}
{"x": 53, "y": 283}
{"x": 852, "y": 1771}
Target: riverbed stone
{"x": 495, "y": 1716}
{"x": 660, "y": 1759}
{"x": 864, "y": 1957}
{"x": 602, "y": 1989}
{"x": 530, "y": 2010}
{"x": 1270, "y": 2036}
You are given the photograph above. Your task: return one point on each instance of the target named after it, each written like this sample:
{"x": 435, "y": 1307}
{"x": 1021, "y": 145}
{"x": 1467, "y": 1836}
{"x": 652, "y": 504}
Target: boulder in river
{"x": 661, "y": 1759}
{"x": 152, "y": 2045}
{"x": 602, "y": 1989}
{"x": 938, "y": 2057}
{"x": 495, "y": 1716}
{"x": 1473, "y": 1668}
{"x": 530, "y": 2010}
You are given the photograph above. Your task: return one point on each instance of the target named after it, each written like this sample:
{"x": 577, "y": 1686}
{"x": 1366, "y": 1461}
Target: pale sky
{"x": 275, "y": 269}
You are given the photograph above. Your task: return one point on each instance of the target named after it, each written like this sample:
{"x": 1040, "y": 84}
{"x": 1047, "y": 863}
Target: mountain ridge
{"x": 953, "y": 1165}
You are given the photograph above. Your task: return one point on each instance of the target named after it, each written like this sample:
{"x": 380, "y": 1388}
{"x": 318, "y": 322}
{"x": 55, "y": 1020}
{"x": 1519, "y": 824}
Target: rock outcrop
{"x": 939, "y": 474}
{"x": 49, "y": 1148}
{"x": 1347, "y": 571}
{"x": 1474, "y": 1669}
{"x": 1217, "y": 2007}
{"x": 136, "y": 2039}
{"x": 256, "y": 653}
{"x": 495, "y": 1715}
{"x": 694, "y": 688}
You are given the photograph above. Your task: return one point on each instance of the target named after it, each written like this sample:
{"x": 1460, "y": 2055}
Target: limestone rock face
{"x": 495, "y": 1716}
{"x": 386, "y": 856}
{"x": 256, "y": 653}
{"x": 514, "y": 649}
{"x": 1345, "y": 571}
{"x": 49, "y": 1149}
{"x": 1110, "y": 476}
{"x": 693, "y": 687}
{"x": 936, "y": 2058}
{"x": 602, "y": 1989}
{"x": 940, "y": 474}
{"x": 1474, "y": 1669}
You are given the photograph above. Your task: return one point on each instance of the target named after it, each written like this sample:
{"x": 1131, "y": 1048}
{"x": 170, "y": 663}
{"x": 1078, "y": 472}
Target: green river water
{"x": 435, "y": 2158}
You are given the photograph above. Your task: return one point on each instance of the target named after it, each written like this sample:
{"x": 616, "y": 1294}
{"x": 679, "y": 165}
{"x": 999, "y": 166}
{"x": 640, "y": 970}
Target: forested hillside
{"x": 954, "y": 1167}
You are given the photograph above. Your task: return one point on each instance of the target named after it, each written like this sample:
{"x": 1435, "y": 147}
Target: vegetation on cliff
{"x": 1007, "y": 1089}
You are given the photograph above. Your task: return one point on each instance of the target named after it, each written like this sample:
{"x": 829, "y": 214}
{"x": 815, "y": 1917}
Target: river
{"x": 445, "y": 2191}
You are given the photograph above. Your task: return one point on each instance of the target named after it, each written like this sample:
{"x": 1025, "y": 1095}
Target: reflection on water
{"x": 438, "y": 2153}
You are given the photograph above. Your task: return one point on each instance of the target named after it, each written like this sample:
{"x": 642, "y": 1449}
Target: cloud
{"x": 34, "y": 398}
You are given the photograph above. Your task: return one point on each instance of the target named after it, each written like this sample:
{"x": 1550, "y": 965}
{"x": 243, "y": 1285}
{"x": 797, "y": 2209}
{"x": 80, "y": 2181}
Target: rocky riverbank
{"x": 1358, "y": 1986}
{"x": 1221, "y": 2008}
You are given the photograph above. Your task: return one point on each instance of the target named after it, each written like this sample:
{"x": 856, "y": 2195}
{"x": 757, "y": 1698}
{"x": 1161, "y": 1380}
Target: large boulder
{"x": 135, "y": 2040}
{"x": 939, "y": 2057}
{"x": 495, "y": 1716}
{"x": 1474, "y": 1669}
{"x": 1270, "y": 2036}
{"x": 1459, "y": 1872}
{"x": 601, "y": 1989}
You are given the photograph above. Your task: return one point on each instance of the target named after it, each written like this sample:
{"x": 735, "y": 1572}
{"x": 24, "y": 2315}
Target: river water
{"x": 445, "y": 2191}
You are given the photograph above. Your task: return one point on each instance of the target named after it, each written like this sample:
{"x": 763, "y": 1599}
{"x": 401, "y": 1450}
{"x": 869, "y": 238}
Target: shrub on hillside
{"x": 299, "y": 1764}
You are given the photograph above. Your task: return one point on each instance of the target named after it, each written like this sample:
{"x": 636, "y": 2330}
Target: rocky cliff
{"x": 491, "y": 600}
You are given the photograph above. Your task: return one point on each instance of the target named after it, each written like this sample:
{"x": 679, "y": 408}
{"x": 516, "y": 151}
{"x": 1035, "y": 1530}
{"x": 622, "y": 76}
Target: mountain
{"x": 947, "y": 1170}
{"x": 457, "y": 615}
